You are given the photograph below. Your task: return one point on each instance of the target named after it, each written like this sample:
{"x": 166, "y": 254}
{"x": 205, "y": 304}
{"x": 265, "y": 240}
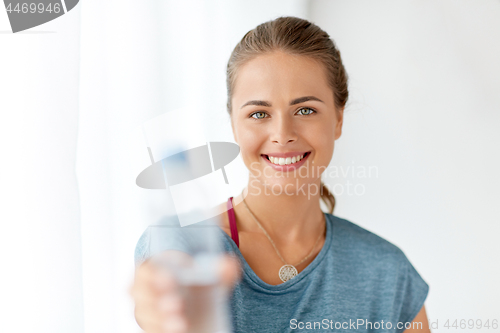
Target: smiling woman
{"x": 287, "y": 90}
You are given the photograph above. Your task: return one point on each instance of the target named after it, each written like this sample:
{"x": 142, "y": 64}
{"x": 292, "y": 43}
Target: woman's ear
{"x": 338, "y": 126}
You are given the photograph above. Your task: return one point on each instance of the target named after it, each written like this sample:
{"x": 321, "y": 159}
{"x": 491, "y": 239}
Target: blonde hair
{"x": 294, "y": 36}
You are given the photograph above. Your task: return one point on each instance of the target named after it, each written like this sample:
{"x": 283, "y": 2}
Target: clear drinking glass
{"x": 192, "y": 255}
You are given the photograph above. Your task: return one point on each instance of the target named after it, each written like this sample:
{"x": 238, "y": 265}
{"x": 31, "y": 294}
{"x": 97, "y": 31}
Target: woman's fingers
{"x": 175, "y": 325}
{"x": 158, "y": 305}
{"x": 171, "y": 304}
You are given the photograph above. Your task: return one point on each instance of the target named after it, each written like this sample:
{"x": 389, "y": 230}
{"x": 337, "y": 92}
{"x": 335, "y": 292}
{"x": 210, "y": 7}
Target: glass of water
{"x": 192, "y": 255}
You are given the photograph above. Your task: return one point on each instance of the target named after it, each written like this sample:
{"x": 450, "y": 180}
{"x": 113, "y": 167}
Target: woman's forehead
{"x": 266, "y": 66}
{"x": 273, "y": 75}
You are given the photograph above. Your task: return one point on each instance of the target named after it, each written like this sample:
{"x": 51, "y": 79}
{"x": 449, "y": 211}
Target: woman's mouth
{"x": 286, "y": 163}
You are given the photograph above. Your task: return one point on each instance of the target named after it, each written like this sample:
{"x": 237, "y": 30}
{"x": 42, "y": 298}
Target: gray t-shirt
{"x": 359, "y": 282}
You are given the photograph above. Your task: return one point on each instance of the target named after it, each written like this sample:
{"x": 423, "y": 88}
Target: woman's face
{"x": 273, "y": 122}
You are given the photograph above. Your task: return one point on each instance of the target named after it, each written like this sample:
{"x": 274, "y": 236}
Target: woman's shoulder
{"x": 359, "y": 243}
{"x": 367, "y": 263}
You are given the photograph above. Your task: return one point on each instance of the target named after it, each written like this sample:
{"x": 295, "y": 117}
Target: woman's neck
{"x": 287, "y": 218}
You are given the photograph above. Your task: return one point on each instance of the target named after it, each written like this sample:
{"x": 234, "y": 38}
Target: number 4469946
{"x": 34, "y": 8}
{"x": 471, "y": 324}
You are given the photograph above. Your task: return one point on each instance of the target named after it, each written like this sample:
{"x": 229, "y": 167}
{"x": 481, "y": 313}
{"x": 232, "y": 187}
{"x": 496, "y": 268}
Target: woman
{"x": 301, "y": 268}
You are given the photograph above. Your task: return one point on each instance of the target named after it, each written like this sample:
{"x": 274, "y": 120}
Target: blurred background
{"x": 423, "y": 115}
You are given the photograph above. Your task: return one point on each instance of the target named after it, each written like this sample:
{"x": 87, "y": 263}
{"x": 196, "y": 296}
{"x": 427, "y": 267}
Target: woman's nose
{"x": 283, "y": 131}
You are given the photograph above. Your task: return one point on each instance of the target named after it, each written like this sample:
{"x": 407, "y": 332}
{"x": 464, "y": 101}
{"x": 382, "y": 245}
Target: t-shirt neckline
{"x": 259, "y": 283}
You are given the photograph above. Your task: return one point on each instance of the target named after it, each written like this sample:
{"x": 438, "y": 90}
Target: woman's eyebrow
{"x": 292, "y": 102}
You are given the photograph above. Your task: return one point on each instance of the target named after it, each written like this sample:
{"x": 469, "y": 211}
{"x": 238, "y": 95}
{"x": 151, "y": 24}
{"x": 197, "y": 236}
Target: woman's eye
{"x": 307, "y": 113}
{"x": 258, "y": 115}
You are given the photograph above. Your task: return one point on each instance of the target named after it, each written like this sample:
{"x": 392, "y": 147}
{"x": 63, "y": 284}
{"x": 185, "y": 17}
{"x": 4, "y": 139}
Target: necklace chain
{"x": 269, "y": 237}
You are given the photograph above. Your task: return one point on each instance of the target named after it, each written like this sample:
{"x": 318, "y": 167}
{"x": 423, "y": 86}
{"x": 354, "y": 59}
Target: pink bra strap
{"x": 232, "y": 222}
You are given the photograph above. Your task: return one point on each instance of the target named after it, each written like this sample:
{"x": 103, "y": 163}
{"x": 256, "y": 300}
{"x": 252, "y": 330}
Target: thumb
{"x": 230, "y": 271}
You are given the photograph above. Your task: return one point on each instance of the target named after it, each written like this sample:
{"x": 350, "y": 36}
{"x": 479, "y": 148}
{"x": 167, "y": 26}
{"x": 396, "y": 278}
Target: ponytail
{"x": 327, "y": 198}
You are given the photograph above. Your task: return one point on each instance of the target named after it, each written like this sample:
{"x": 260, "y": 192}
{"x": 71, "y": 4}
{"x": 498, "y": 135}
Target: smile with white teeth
{"x": 285, "y": 161}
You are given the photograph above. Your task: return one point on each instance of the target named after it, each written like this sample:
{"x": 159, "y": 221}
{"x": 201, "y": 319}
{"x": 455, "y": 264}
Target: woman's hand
{"x": 159, "y": 306}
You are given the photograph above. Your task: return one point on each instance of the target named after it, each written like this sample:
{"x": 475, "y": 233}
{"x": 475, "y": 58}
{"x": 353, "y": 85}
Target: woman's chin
{"x": 287, "y": 186}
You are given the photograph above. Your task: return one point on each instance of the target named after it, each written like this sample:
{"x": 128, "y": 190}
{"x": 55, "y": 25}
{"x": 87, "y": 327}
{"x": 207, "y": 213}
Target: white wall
{"x": 424, "y": 111}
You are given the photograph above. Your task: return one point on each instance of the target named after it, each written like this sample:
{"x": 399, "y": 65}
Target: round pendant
{"x": 287, "y": 272}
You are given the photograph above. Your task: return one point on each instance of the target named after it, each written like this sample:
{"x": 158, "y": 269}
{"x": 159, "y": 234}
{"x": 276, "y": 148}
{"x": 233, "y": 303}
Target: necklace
{"x": 286, "y": 271}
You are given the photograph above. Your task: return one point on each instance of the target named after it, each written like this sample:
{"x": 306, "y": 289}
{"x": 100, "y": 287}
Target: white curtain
{"x": 40, "y": 236}
{"x": 75, "y": 91}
